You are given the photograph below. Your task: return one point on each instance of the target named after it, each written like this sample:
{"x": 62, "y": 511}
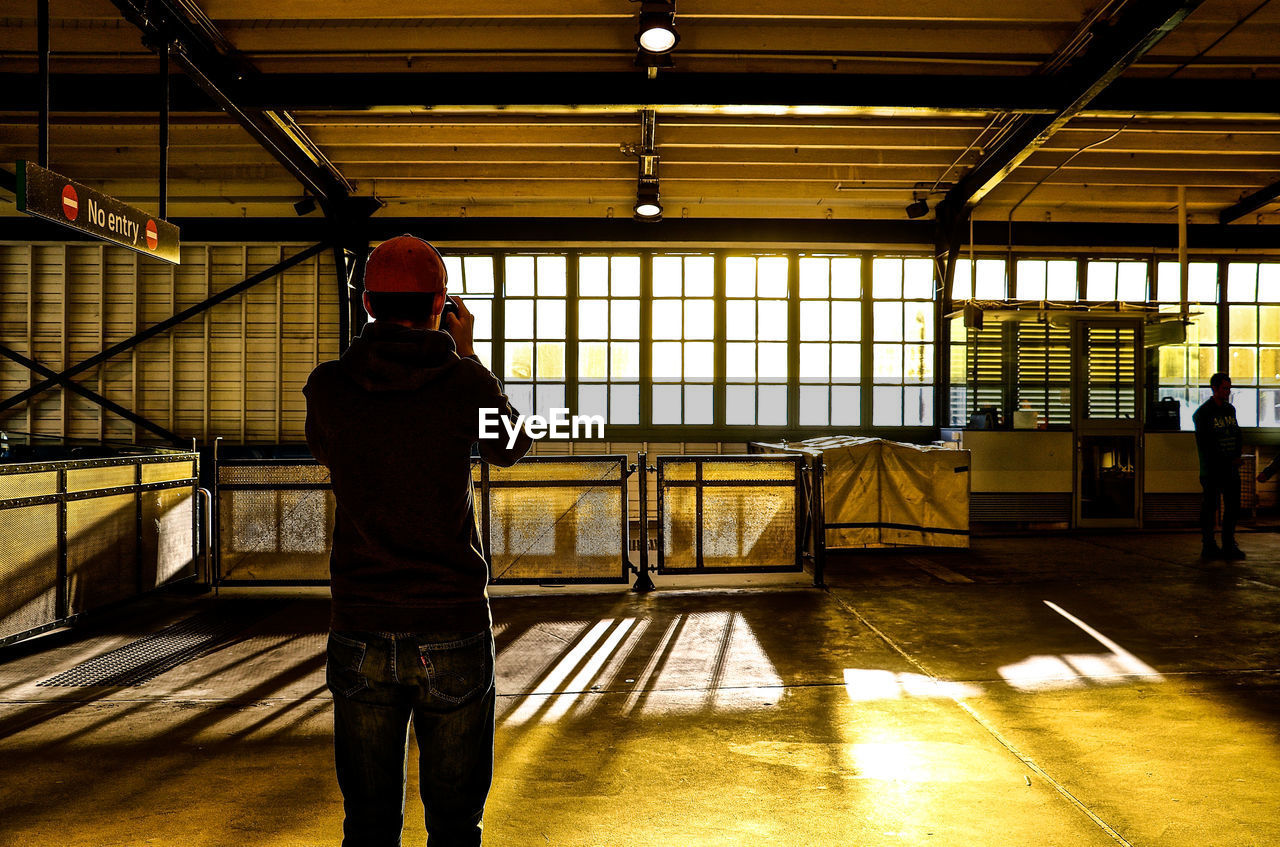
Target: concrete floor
{"x": 1050, "y": 690}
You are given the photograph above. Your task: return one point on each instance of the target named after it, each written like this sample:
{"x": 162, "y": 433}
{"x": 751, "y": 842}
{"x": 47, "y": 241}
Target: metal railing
{"x": 79, "y": 535}
{"x": 547, "y": 519}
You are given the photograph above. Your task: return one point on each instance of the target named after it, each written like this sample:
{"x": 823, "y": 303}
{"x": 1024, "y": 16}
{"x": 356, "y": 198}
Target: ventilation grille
{"x": 1013, "y": 507}
{"x": 1171, "y": 508}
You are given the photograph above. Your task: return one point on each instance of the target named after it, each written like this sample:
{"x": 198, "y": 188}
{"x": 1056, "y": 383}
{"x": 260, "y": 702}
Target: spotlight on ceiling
{"x": 648, "y": 199}
{"x": 918, "y": 208}
{"x": 657, "y": 33}
{"x": 305, "y": 206}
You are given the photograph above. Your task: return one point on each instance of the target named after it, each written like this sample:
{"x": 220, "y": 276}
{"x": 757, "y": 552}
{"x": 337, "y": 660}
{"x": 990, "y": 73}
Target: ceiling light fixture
{"x": 918, "y": 208}
{"x": 656, "y": 36}
{"x": 657, "y": 33}
{"x": 648, "y": 198}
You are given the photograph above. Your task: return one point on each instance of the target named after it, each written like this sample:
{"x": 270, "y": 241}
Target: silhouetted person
{"x": 411, "y": 636}
{"x": 1220, "y": 447}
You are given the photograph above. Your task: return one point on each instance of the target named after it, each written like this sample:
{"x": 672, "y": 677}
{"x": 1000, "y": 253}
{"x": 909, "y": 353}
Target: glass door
{"x": 1108, "y": 422}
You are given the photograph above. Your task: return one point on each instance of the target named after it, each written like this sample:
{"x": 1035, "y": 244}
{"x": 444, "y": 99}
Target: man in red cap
{"x": 411, "y": 638}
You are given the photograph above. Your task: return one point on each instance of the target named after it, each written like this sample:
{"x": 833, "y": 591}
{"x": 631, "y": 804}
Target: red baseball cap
{"x": 405, "y": 264}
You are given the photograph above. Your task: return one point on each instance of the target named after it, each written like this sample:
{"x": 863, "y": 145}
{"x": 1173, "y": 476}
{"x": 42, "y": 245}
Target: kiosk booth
{"x": 1058, "y": 426}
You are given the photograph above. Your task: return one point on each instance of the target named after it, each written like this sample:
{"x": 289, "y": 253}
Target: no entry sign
{"x": 51, "y": 196}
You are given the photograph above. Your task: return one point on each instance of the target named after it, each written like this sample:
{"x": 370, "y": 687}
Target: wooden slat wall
{"x": 236, "y": 371}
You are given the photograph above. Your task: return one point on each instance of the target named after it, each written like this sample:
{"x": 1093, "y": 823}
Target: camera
{"x": 450, "y": 308}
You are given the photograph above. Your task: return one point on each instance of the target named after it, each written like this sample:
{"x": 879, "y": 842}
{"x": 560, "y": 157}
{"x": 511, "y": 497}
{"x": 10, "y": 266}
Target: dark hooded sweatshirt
{"x": 394, "y": 420}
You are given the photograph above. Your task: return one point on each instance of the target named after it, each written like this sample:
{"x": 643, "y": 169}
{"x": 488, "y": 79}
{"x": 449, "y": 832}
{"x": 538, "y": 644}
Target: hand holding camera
{"x": 458, "y": 321}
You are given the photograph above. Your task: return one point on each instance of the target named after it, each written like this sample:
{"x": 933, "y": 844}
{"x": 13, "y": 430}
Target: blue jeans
{"x": 443, "y": 683}
{"x": 1221, "y": 482}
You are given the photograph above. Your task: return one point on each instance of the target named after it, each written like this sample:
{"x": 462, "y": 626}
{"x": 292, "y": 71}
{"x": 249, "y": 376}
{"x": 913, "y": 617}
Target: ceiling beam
{"x": 214, "y": 68}
{"x": 916, "y": 95}
{"x": 1247, "y": 205}
{"x": 1114, "y": 45}
{"x": 1138, "y": 237}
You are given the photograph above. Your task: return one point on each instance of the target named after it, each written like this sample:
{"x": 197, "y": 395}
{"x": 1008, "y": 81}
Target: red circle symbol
{"x": 153, "y": 237}
{"x": 70, "y": 203}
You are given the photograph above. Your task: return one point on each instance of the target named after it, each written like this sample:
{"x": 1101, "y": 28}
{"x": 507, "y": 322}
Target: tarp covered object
{"x": 882, "y": 493}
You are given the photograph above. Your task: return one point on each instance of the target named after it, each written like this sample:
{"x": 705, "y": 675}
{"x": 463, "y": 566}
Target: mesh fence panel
{"x": 679, "y": 528}
{"x": 14, "y": 486}
{"x": 102, "y": 549}
{"x": 748, "y": 527}
{"x": 748, "y": 470}
{"x": 89, "y": 479}
{"x": 549, "y": 520}
{"x": 273, "y": 474}
{"x": 275, "y": 535}
{"x": 167, "y": 471}
{"x": 167, "y": 544}
{"x": 571, "y": 532}
{"x": 28, "y": 566}
{"x": 742, "y": 526}
{"x": 532, "y": 470}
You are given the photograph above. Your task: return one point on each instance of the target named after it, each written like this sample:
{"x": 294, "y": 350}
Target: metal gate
{"x": 731, "y": 514}
{"x": 274, "y": 520}
{"x": 559, "y": 519}
{"x": 556, "y": 519}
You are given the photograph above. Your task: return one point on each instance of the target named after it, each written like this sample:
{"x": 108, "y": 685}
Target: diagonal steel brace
{"x": 88, "y": 394}
{"x": 116, "y": 349}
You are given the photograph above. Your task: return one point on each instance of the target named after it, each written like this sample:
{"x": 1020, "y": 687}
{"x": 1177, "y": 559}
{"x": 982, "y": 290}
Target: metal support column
{"x": 62, "y": 602}
{"x": 42, "y": 49}
{"x": 644, "y": 582}
{"x": 340, "y": 267}
{"x": 951, "y": 222}
{"x": 818, "y": 519}
{"x": 163, "y": 53}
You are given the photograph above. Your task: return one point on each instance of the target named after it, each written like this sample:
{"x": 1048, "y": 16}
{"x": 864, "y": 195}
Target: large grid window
{"x": 683, "y": 346}
{"x": 1184, "y": 369}
{"x": 1107, "y": 281}
{"x": 756, "y": 340}
{"x": 471, "y": 277}
{"x": 534, "y": 311}
{"x": 981, "y": 279}
{"x": 830, "y": 341}
{"x": 902, "y": 326}
{"x": 609, "y": 338}
{"x": 1051, "y": 280}
{"x": 970, "y": 357}
{"x": 1253, "y": 318}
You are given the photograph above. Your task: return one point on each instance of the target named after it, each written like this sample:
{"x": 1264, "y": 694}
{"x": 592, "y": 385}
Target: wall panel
{"x": 235, "y": 371}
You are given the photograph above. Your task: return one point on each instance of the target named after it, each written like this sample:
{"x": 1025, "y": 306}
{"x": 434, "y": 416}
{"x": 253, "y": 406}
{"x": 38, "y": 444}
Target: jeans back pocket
{"x": 461, "y": 669}
{"x": 345, "y": 662}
